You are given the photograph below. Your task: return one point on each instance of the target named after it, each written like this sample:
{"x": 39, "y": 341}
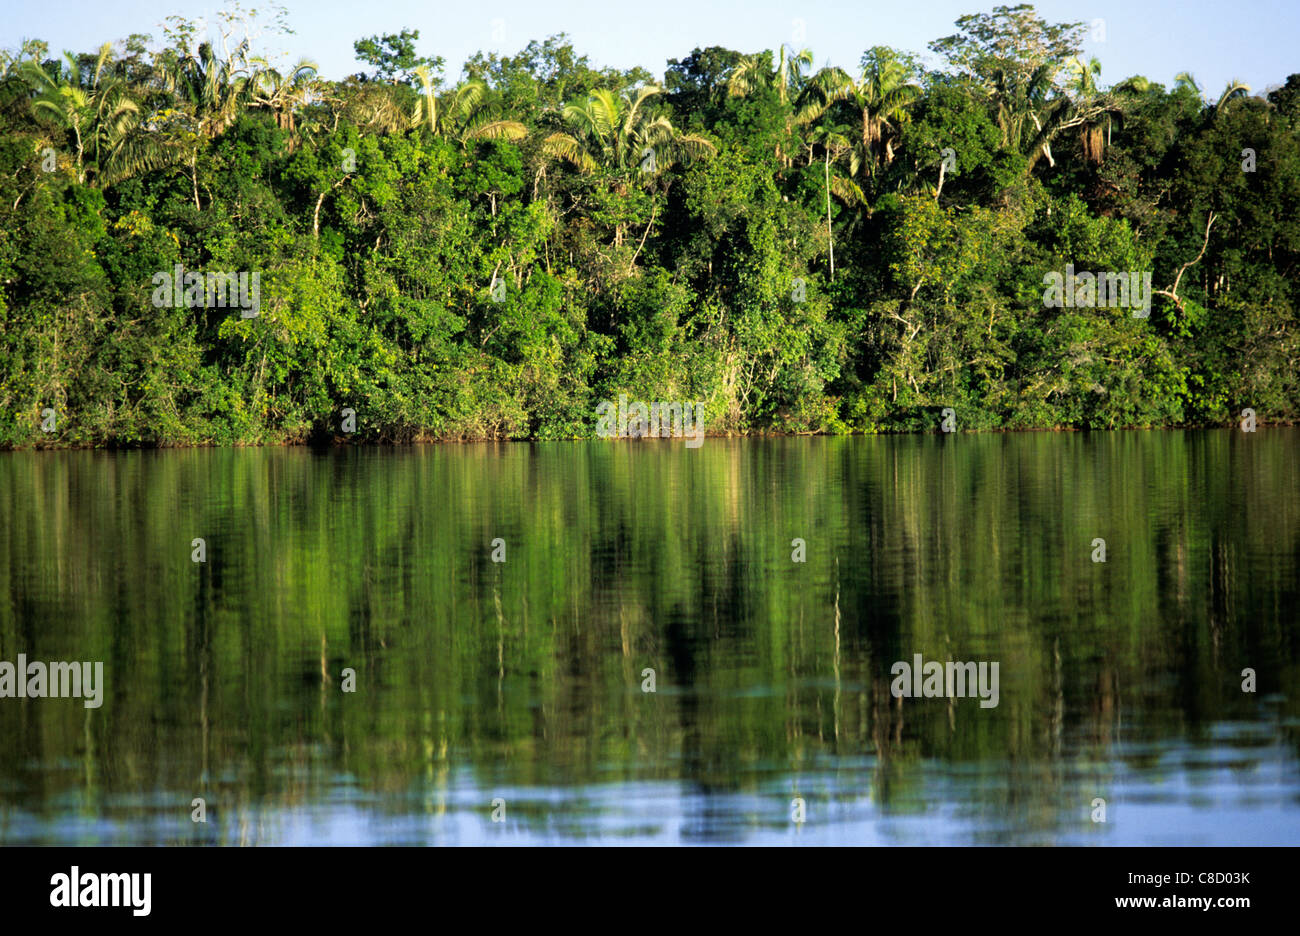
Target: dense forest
{"x": 802, "y": 250}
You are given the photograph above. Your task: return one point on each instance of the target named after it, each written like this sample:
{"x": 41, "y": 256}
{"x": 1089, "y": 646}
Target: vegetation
{"x": 802, "y": 250}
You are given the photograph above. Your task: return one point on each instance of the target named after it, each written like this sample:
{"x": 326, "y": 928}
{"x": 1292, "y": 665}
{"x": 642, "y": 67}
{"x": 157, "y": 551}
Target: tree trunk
{"x": 315, "y": 217}
{"x": 81, "y": 175}
{"x": 830, "y": 235}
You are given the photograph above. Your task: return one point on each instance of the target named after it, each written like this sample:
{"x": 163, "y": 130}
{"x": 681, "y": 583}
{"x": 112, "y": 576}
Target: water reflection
{"x": 523, "y": 680}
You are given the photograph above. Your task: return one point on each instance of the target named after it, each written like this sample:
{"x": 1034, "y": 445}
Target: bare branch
{"x": 1172, "y": 292}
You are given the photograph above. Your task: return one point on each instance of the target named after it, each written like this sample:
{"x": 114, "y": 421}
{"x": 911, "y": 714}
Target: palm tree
{"x": 282, "y": 92}
{"x": 749, "y": 74}
{"x": 835, "y": 142}
{"x": 1031, "y": 114}
{"x": 789, "y": 70}
{"x": 753, "y": 72}
{"x": 461, "y": 113}
{"x": 617, "y": 132}
{"x": 213, "y": 89}
{"x": 1137, "y": 84}
{"x": 1084, "y": 85}
{"x": 32, "y": 50}
{"x": 881, "y": 96}
{"x": 1124, "y": 94}
{"x": 140, "y": 149}
{"x": 1022, "y": 103}
{"x": 1236, "y": 89}
{"x": 100, "y": 116}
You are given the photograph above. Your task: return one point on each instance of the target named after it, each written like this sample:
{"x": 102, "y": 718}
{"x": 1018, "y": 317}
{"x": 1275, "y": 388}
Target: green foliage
{"x": 492, "y": 259}
{"x": 393, "y": 56}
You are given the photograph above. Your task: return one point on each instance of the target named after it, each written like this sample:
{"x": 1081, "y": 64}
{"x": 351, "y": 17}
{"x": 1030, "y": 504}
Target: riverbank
{"x": 342, "y": 441}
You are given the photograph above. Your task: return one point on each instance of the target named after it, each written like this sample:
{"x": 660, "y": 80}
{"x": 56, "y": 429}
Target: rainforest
{"x": 851, "y": 248}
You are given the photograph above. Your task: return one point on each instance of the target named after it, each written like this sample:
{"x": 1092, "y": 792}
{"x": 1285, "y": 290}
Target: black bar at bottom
{"x": 336, "y": 886}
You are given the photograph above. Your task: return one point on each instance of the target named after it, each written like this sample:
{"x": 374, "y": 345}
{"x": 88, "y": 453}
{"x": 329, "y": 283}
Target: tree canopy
{"x": 799, "y": 249}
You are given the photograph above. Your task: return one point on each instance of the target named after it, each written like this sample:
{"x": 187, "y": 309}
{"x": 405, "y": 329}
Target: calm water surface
{"x": 522, "y": 681}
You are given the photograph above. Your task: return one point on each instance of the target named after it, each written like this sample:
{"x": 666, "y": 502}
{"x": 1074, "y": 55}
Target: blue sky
{"x": 1248, "y": 39}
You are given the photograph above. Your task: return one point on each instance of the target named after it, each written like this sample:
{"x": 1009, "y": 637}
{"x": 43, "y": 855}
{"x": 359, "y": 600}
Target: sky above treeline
{"x": 1252, "y": 40}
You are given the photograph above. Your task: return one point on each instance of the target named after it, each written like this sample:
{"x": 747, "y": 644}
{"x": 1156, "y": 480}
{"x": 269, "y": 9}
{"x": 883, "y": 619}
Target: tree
{"x": 1235, "y": 90}
{"x": 282, "y": 93}
{"x": 697, "y": 83}
{"x": 1096, "y": 109}
{"x": 211, "y": 88}
{"x": 393, "y": 57}
{"x": 753, "y": 72}
{"x": 461, "y": 114}
{"x": 544, "y": 76}
{"x": 102, "y": 118}
{"x": 619, "y": 132}
{"x": 880, "y": 97}
{"x": 1011, "y": 42}
{"x": 834, "y": 142}
{"x": 1015, "y": 56}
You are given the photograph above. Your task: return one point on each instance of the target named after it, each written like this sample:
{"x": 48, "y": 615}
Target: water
{"x": 522, "y": 681}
